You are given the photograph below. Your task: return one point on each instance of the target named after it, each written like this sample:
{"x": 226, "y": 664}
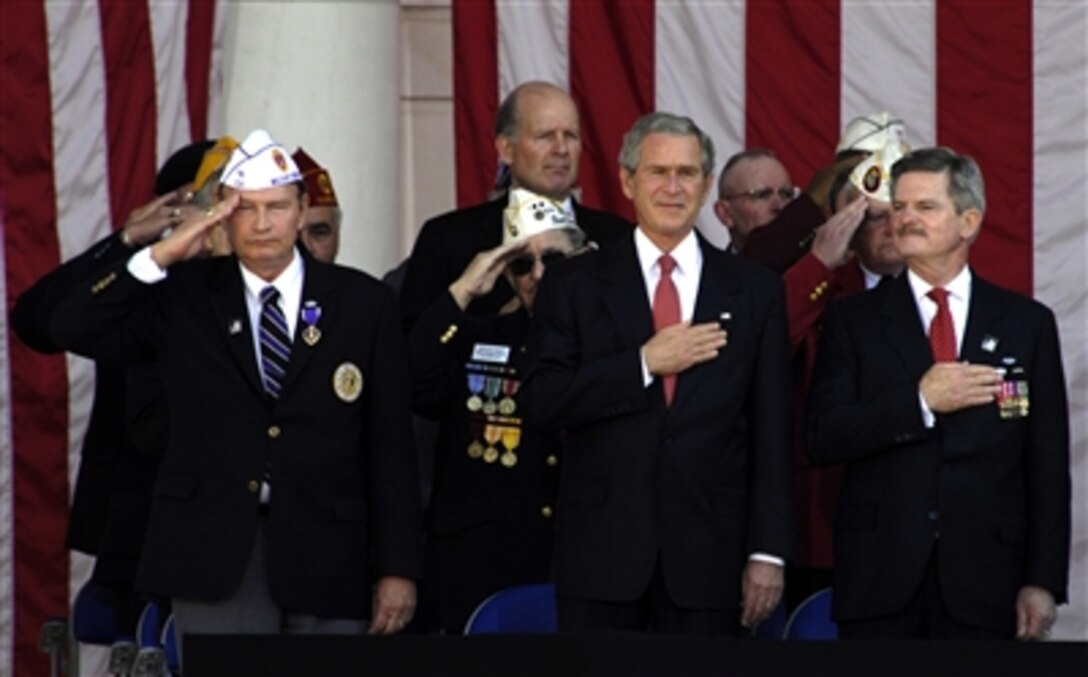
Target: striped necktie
{"x": 275, "y": 342}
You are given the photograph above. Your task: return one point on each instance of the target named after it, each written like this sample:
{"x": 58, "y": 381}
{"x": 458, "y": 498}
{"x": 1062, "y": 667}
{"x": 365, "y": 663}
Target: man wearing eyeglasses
{"x": 753, "y": 189}
{"x": 538, "y": 136}
{"x": 490, "y": 519}
{"x": 781, "y": 242}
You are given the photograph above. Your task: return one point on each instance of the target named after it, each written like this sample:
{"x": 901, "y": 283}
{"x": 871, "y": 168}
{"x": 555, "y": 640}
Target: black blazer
{"x": 105, "y": 439}
{"x": 698, "y": 486}
{"x": 447, "y": 243}
{"x": 345, "y": 493}
{"x": 993, "y": 492}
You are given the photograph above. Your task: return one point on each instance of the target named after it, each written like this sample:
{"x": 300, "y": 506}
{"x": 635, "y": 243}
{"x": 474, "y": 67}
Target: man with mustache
{"x": 944, "y": 398}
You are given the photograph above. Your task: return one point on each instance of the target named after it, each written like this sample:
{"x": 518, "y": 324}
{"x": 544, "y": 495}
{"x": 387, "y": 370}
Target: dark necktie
{"x": 666, "y": 313}
{"x": 275, "y": 342}
{"x": 942, "y": 333}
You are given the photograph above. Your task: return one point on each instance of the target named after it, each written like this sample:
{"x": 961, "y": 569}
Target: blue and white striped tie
{"x": 275, "y": 342}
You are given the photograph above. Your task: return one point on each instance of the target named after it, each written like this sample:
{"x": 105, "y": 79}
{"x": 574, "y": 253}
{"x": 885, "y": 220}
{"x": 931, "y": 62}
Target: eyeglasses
{"x": 787, "y": 193}
{"x": 523, "y": 265}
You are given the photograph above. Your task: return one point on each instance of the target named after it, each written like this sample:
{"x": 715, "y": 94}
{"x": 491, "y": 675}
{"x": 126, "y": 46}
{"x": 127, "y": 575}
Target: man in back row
{"x": 538, "y": 136}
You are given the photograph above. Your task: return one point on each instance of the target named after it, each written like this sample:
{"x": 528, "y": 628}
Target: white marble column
{"x": 325, "y": 76}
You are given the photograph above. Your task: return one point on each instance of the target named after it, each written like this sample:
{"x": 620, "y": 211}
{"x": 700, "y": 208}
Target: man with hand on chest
{"x": 664, "y": 362}
{"x": 944, "y": 397}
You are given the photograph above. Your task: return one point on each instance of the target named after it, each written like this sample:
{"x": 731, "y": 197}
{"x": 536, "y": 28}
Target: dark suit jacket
{"x": 447, "y": 243}
{"x": 810, "y": 287}
{"x": 491, "y": 525}
{"x": 697, "y": 486}
{"x": 344, "y": 507}
{"x": 105, "y": 438}
{"x": 995, "y": 490}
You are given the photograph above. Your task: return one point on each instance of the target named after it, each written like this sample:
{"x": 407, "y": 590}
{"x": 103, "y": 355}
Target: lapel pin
{"x": 989, "y": 344}
{"x": 235, "y": 327}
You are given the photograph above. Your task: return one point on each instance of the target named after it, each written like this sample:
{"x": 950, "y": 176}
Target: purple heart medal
{"x": 311, "y": 313}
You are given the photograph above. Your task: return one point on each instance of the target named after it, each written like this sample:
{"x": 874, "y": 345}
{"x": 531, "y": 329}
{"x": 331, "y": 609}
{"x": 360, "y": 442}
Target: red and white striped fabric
{"x": 1000, "y": 80}
{"x": 96, "y": 96}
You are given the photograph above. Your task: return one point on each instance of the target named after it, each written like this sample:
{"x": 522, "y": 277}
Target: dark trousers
{"x": 653, "y": 611}
{"x": 924, "y": 617}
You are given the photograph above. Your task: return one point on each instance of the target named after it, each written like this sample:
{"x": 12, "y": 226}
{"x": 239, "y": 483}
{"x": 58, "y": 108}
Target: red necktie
{"x": 942, "y": 334}
{"x": 666, "y": 313}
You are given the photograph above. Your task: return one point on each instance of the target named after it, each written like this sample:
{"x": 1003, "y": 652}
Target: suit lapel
{"x": 318, "y": 287}
{"x": 625, "y": 292}
{"x": 982, "y": 336}
{"x": 228, "y": 302}
{"x": 902, "y": 325}
{"x": 720, "y": 298}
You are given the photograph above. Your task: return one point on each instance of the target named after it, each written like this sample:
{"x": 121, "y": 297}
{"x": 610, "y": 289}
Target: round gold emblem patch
{"x": 347, "y": 382}
{"x": 871, "y": 180}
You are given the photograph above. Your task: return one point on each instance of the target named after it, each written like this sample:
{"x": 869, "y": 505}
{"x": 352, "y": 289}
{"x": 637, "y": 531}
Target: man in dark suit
{"x": 289, "y": 486}
{"x": 954, "y": 517}
{"x": 665, "y": 362}
{"x": 538, "y": 136}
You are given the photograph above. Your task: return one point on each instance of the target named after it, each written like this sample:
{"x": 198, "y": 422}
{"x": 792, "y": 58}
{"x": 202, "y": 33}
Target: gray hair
{"x": 965, "y": 185}
{"x": 664, "y": 123}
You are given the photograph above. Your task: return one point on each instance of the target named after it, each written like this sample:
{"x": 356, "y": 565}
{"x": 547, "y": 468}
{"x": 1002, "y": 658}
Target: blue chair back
{"x": 95, "y": 618}
{"x": 811, "y": 620}
{"x": 149, "y": 627}
{"x": 520, "y": 609}
{"x": 169, "y": 641}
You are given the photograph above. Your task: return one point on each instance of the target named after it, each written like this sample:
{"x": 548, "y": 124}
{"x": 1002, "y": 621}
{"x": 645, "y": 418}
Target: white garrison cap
{"x": 873, "y": 177}
{"x": 259, "y": 162}
{"x": 529, "y": 214}
{"x": 871, "y": 133}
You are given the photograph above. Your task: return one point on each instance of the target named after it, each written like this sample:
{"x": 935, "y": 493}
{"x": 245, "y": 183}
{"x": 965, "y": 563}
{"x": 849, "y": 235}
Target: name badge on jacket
{"x": 489, "y": 352}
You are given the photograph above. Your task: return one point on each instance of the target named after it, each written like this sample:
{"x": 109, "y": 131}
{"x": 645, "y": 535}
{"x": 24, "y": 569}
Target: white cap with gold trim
{"x": 258, "y": 163}
{"x": 529, "y": 214}
{"x": 870, "y": 133}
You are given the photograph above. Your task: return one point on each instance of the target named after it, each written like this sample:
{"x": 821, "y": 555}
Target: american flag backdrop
{"x": 95, "y": 94}
{"x": 1005, "y": 81}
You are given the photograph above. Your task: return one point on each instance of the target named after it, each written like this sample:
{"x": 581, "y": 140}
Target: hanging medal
{"x": 492, "y": 435}
{"x": 475, "y": 386}
{"x": 507, "y": 405}
{"x": 475, "y": 447}
{"x": 511, "y": 438}
{"x": 311, "y": 313}
{"x": 492, "y": 388}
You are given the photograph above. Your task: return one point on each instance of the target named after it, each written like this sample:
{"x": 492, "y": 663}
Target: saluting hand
{"x": 147, "y": 222}
{"x": 479, "y": 277}
{"x": 189, "y": 239}
{"x": 832, "y": 242}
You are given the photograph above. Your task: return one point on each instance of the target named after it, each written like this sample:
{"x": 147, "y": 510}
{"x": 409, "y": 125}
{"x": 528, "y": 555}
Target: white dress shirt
{"x": 685, "y": 276}
{"x": 959, "y": 300}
